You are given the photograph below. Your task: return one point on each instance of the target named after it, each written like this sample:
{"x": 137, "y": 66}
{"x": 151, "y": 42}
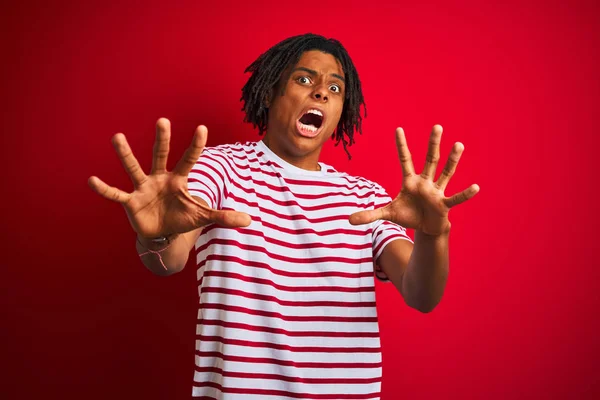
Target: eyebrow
{"x": 314, "y": 73}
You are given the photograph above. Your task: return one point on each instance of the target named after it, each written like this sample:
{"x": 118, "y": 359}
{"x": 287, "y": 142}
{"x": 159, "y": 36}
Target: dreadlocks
{"x": 267, "y": 70}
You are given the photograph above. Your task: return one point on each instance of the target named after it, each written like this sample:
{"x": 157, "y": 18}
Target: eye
{"x": 305, "y": 80}
{"x": 335, "y": 88}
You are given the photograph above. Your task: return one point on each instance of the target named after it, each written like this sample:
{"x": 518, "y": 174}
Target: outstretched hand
{"x": 160, "y": 203}
{"x": 421, "y": 203}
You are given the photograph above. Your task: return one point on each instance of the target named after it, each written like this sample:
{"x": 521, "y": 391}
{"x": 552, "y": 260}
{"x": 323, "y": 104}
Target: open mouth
{"x": 310, "y": 122}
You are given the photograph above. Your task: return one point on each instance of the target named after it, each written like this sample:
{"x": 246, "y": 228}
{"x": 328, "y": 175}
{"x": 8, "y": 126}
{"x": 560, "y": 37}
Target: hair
{"x": 267, "y": 71}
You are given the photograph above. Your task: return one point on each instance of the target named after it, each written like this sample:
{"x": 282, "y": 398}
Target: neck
{"x": 309, "y": 161}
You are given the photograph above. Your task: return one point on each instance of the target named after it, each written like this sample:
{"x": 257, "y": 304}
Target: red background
{"x": 517, "y": 83}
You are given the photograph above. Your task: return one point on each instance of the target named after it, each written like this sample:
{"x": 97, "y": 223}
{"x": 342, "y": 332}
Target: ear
{"x": 269, "y": 99}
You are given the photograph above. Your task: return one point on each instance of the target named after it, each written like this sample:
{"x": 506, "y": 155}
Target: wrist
{"x": 156, "y": 243}
{"x": 154, "y": 246}
{"x": 441, "y": 234}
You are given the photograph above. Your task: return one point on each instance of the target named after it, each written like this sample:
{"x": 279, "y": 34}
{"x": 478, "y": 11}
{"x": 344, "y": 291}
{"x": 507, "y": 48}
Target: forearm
{"x": 174, "y": 257}
{"x": 425, "y": 277}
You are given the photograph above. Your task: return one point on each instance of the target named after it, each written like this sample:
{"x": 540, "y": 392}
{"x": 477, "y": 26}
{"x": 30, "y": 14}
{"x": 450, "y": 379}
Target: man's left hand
{"x": 421, "y": 203}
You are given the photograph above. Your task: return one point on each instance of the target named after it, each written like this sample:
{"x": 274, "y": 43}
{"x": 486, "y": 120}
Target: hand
{"x": 160, "y": 203}
{"x": 421, "y": 204}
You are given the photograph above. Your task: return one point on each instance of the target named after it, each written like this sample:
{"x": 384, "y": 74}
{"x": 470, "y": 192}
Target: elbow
{"x": 173, "y": 271}
{"x": 424, "y": 306}
{"x": 425, "y": 309}
{"x": 423, "y": 298}
{"x": 166, "y": 272}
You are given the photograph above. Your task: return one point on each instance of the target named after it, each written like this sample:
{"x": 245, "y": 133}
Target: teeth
{"x": 316, "y": 112}
{"x": 309, "y": 128}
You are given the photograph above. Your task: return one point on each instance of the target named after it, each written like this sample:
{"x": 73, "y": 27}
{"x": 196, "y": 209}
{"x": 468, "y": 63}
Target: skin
{"x": 161, "y": 205}
{"x": 298, "y": 89}
{"x": 420, "y": 273}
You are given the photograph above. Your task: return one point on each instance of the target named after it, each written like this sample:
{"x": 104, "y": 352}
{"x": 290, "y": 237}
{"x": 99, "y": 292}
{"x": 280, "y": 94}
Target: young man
{"x": 286, "y": 246}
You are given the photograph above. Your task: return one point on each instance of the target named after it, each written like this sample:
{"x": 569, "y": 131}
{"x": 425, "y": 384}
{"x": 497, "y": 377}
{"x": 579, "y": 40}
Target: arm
{"x": 161, "y": 205}
{"x": 418, "y": 271}
{"x": 175, "y": 257}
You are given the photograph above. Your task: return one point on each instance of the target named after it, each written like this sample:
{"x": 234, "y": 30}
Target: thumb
{"x": 366, "y": 217}
{"x": 230, "y": 219}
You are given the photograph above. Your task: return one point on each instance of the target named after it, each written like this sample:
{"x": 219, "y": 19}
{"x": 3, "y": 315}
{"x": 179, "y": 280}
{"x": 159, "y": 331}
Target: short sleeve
{"x": 209, "y": 178}
{"x": 384, "y": 232}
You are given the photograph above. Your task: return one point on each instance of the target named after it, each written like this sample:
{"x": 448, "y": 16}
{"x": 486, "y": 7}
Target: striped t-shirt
{"x": 287, "y": 304}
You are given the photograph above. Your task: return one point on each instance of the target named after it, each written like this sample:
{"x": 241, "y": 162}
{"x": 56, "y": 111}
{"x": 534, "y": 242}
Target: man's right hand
{"x": 160, "y": 204}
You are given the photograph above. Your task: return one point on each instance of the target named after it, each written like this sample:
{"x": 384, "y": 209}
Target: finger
{"x": 404, "y": 154}
{"x": 128, "y": 160}
{"x": 191, "y": 155}
{"x": 368, "y": 216}
{"x": 450, "y": 166}
{"x": 160, "y": 152}
{"x": 230, "y": 219}
{"x": 462, "y": 196}
{"x": 108, "y": 192}
{"x": 433, "y": 153}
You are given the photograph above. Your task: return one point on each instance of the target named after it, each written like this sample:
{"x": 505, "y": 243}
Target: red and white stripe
{"x": 287, "y": 304}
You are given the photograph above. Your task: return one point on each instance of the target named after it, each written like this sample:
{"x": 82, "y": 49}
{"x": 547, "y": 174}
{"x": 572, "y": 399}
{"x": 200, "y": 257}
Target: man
{"x": 287, "y": 247}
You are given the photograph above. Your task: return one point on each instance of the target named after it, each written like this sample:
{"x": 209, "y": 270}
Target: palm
{"x": 421, "y": 204}
{"x": 161, "y": 203}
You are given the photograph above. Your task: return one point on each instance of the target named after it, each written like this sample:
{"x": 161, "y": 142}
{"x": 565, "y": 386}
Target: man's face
{"x": 306, "y": 106}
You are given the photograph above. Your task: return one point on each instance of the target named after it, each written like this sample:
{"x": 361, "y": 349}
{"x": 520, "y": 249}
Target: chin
{"x": 299, "y": 146}
{"x": 303, "y": 145}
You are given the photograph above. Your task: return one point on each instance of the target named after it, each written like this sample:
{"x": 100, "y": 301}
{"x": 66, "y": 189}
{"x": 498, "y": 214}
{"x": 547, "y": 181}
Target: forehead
{"x": 322, "y": 63}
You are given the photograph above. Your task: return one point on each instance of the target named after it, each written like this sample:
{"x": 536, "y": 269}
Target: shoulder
{"x": 235, "y": 150}
{"x": 354, "y": 181}
{"x": 231, "y": 156}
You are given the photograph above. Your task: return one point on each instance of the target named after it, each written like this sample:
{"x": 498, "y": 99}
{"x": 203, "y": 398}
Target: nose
{"x": 320, "y": 93}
